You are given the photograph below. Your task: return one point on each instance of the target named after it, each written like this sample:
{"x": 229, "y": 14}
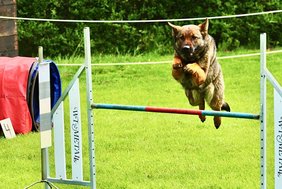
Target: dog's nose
{"x": 187, "y": 49}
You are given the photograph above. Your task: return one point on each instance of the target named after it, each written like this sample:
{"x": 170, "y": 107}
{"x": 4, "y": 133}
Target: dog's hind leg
{"x": 196, "y": 99}
{"x": 215, "y": 100}
{"x": 217, "y": 121}
{"x": 216, "y": 106}
{"x": 202, "y": 107}
{"x": 225, "y": 106}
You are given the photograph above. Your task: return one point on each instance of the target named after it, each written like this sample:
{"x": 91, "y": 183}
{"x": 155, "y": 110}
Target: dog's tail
{"x": 225, "y": 106}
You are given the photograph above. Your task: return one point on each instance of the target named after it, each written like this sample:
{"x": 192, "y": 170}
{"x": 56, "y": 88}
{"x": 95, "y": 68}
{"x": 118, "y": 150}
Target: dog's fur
{"x": 196, "y": 68}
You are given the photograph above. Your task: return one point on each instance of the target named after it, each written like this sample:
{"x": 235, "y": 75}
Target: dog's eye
{"x": 181, "y": 37}
{"x": 194, "y": 37}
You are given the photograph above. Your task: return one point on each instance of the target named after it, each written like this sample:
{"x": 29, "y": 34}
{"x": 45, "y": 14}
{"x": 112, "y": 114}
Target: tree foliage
{"x": 134, "y": 38}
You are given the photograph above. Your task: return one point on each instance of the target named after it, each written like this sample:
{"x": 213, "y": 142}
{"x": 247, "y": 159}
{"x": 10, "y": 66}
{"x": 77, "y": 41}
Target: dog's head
{"x": 190, "y": 40}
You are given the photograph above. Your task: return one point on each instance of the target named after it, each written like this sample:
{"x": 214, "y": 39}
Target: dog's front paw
{"x": 192, "y": 68}
{"x": 177, "y": 71}
{"x": 177, "y": 66}
{"x": 199, "y": 76}
{"x": 177, "y": 63}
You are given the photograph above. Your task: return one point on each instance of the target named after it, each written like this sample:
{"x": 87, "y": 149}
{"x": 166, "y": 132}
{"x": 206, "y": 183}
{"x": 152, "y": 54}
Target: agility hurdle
{"x": 73, "y": 92}
{"x": 75, "y": 126}
{"x": 56, "y": 116}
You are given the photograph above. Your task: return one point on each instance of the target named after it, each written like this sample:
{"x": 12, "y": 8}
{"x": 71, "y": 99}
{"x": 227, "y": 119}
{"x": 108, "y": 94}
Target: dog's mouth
{"x": 187, "y": 50}
{"x": 192, "y": 54}
{"x": 188, "y": 53}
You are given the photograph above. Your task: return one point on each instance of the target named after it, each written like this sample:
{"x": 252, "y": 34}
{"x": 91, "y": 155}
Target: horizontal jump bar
{"x": 175, "y": 111}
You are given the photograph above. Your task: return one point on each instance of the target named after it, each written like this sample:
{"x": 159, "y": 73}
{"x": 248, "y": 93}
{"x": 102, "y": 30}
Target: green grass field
{"x": 136, "y": 150}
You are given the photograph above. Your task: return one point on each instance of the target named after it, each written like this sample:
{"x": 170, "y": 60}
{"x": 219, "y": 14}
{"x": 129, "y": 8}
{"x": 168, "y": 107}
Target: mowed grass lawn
{"x": 136, "y": 150}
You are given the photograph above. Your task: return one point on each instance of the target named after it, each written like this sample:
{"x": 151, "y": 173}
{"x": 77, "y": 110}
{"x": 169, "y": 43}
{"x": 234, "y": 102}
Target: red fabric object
{"x": 14, "y": 74}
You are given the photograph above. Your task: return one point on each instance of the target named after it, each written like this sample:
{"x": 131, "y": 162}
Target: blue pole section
{"x": 230, "y": 114}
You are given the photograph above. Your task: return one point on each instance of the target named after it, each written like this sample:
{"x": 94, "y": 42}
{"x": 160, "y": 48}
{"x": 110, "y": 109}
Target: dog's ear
{"x": 175, "y": 29}
{"x": 204, "y": 27}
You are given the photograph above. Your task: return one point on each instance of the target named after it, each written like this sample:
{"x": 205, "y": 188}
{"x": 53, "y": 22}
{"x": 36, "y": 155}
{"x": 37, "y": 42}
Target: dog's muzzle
{"x": 186, "y": 49}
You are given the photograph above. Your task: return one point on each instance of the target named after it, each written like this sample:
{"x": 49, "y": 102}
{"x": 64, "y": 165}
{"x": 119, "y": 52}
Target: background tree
{"x": 135, "y": 38}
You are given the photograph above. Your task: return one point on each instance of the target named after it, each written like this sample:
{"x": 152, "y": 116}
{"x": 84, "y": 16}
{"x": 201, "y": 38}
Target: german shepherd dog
{"x": 196, "y": 68}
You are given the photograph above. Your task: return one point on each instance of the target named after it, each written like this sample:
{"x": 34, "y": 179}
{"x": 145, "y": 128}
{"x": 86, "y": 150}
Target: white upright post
{"x": 278, "y": 139}
{"x": 87, "y": 49}
{"x": 263, "y": 111}
{"x": 45, "y": 115}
